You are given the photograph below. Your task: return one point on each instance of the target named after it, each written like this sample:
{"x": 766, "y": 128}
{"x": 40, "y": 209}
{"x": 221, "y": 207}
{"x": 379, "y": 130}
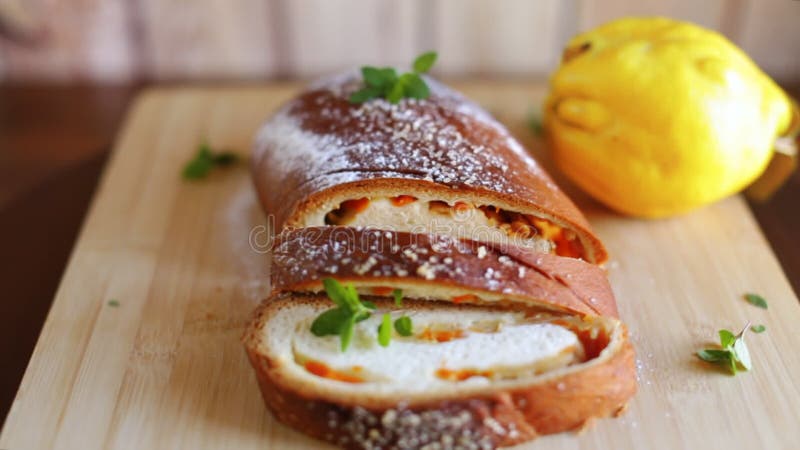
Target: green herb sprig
{"x": 205, "y": 160}
{"x": 402, "y": 325}
{"x": 385, "y": 330}
{"x": 398, "y": 297}
{"x": 384, "y": 82}
{"x": 341, "y": 320}
{"x": 733, "y": 352}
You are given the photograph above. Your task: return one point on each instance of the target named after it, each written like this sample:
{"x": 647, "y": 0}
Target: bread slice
{"x": 507, "y": 343}
{"x": 438, "y": 267}
{"x": 499, "y": 377}
{"x": 437, "y": 165}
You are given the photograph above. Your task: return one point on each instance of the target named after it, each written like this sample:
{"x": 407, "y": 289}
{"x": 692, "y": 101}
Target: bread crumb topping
{"x": 342, "y": 252}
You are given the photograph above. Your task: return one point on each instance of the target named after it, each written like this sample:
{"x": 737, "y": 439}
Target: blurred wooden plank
{"x": 72, "y": 41}
{"x": 16, "y": 21}
{"x": 117, "y": 40}
{"x": 210, "y": 39}
{"x": 707, "y": 13}
{"x": 770, "y": 34}
{"x": 325, "y": 36}
{"x": 510, "y": 37}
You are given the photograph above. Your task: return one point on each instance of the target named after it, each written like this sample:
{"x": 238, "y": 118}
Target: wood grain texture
{"x": 207, "y": 38}
{"x": 324, "y": 36}
{"x": 707, "y": 13}
{"x": 114, "y": 40}
{"x": 516, "y": 37}
{"x": 165, "y": 368}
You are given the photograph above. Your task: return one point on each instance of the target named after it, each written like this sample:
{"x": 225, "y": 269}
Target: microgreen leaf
{"x": 416, "y": 87}
{"x": 329, "y": 322}
{"x": 726, "y": 338}
{"x": 385, "y": 82}
{"x": 199, "y": 167}
{"x": 403, "y": 326}
{"x": 389, "y": 74}
{"x": 732, "y": 363}
{"x": 385, "y": 330}
{"x": 374, "y": 76}
{"x": 113, "y": 302}
{"x": 369, "y": 305}
{"x": 349, "y": 310}
{"x": 362, "y": 315}
{"x": 756, "y": 300}
{"x": 398, "y": 297}
{"x": 335, "y": 291}
{"x": 396, "y": 92}
{"x": 367, "y": 93}
{"x": 742, "y": 353}
{"x": 713, "y": 355}
{"x": 758, "y": 328}
{"x": 346, "y": 332}
{"x": 733, "y": 352}
{"x": 424, "y": 62}
{"x": 205, "y": 160}
{"x": 352, "y": 300}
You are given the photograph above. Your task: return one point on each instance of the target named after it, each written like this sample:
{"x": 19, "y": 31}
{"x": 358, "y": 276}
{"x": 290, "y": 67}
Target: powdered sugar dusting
{"x": 314, "y": 253}
{"x": 445, "y": 139}
{"x": 297, "y": 148}
{"x": 240, "y": 218}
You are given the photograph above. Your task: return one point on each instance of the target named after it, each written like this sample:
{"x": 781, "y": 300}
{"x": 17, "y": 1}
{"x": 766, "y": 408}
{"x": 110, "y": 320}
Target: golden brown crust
{"x": 497, "y": 418}
{"x": 303, "y": 257}
{"x": 320, "y": 150}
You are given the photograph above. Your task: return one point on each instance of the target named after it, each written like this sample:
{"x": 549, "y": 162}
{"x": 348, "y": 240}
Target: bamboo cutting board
{"x": 164, "y": 369}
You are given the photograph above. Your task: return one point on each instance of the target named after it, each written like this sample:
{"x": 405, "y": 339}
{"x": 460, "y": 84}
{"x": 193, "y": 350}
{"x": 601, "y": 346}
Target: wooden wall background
{"x": 120, "y": 40}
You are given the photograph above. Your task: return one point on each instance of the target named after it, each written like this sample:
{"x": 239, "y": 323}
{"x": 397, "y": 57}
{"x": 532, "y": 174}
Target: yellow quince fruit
{"x": 655, "y": 117}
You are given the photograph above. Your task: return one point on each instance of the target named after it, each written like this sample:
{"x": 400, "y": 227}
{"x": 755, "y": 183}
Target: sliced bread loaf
{"x": 466, "y": 377}
{"x": 437, "y": 267}
{"x": 440, "y": 165}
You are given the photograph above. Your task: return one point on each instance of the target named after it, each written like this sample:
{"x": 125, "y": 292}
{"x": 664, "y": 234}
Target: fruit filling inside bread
{"x": 460, "y": 219}
{"x": 450, "y": 346}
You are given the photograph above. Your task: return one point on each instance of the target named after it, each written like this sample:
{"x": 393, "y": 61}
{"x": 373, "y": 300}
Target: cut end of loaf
{"x": 448, "y": 349}
{"x": 499, "y": 371}
{"x": 320, "y": 151}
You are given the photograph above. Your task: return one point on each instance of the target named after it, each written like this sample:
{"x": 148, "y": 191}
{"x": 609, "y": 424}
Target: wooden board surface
{"x": 165, "y": 369}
